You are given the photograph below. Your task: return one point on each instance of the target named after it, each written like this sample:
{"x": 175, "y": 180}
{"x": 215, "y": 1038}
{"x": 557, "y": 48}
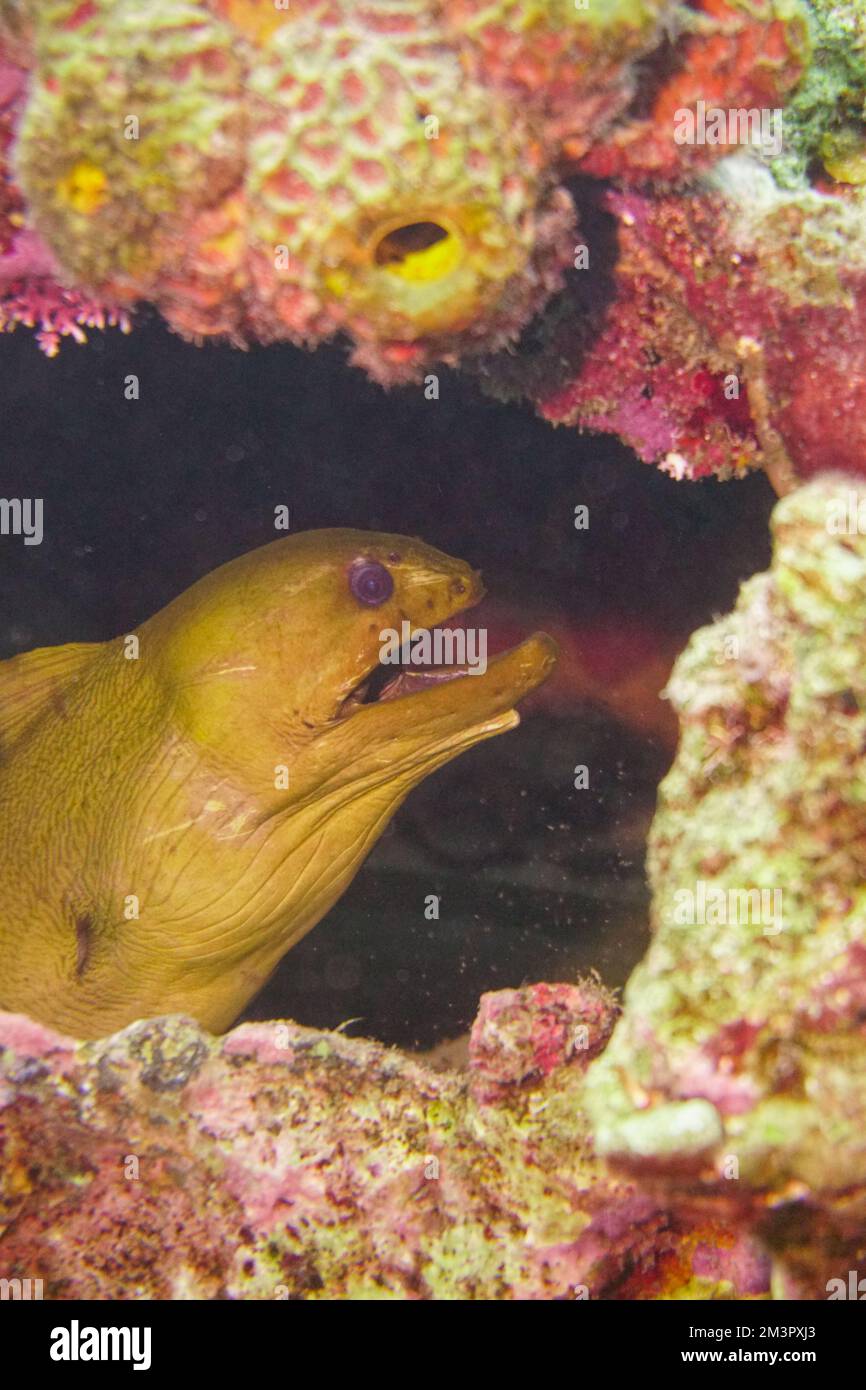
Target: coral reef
{"x": 727, "y": 330}
{"x": 730, "y": 333}
{"x": 737, "y": 1071}
{"x": 731, "y": 54}
{"x": 282, "y": 1163}
{"x": 404, "y": 174}
{"x": 394, "y": 172}
{"x": 264, "y": 175}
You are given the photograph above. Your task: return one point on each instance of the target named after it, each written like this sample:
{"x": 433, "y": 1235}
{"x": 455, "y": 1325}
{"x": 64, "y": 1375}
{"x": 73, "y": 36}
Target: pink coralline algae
{"x": 725, "y": 331}
{"x": 734, "y": 335}
{"x": 520, "y": 1036}
{"x": 278, "y": 1162}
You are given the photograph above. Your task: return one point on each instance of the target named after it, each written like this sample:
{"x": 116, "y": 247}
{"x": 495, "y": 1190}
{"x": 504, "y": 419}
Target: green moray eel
{"x": 179, "y": 806}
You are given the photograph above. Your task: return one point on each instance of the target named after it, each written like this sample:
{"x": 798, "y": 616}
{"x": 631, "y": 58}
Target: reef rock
{"x": 394, "y": 172}
{"x": 727, "y": 334}
{"x": 737, "y": 1070}
{"x": 269, "y": 174}
{"x": 278, "y": 1162}
{"x": 717, "y": 1127}
{"x": 715, "y": 320}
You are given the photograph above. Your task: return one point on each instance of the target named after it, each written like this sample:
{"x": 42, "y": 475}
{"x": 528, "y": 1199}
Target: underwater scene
{"x": 433, "y": 659}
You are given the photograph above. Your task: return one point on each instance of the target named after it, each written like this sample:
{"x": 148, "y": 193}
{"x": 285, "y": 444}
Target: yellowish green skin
{"x": 155, "y": 783}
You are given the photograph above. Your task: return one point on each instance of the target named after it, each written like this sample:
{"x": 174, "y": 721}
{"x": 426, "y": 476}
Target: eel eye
{"x": 370, "y": 582}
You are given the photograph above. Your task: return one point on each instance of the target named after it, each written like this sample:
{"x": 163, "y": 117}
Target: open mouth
{"x": 388, "y": 681}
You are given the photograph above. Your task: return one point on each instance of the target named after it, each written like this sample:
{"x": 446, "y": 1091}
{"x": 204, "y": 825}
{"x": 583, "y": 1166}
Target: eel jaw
{"x": 441, "y": 708}
{"x": 384, "y": 683}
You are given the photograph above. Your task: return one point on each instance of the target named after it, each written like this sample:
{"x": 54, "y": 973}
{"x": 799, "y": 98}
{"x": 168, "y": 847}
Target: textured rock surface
{"x": 268, "y": 175}
{"x": 717, "y": 324}
{"x": 738, "y": 1067}
{"x": 725, "y": 333}
{"x": 398, "y": 173}
{"x": 277, "y": 1162}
